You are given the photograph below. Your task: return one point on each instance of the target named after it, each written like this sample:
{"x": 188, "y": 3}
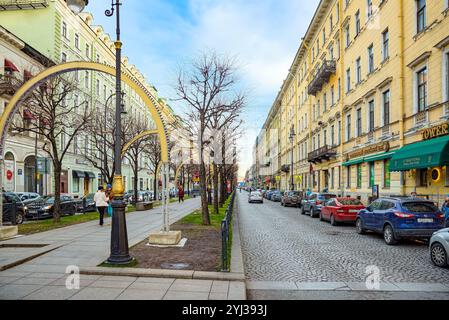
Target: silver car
{"x": 255, "y": 197}
{"x": 439, "y": 248}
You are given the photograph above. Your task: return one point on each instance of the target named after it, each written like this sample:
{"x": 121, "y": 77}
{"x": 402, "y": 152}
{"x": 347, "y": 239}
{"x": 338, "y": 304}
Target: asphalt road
{"x": 290, "y": 256}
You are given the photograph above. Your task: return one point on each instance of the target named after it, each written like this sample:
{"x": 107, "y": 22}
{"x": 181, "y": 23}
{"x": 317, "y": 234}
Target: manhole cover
{"x": 176, "y": 266}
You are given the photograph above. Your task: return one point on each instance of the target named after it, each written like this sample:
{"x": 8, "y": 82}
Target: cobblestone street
{"x": 285, "y": 250}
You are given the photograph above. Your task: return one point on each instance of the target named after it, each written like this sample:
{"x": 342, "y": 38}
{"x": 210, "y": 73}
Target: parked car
{"x": 27, "y": 195}
{"x": 88, "y": 202}
{"x": 314, "y": 202}
{"x": 255, "y": 196}
{"x": 276, "y": 196}
{"x": 439, "y": 248}
{"x": 268, "y": 194}
{"x": 42, "y": 207}
{"x": 399, "y": 218}
{"x": 292, "y": 198}
{"x": 11, "y": 203}
{"x": 341, "y": 210}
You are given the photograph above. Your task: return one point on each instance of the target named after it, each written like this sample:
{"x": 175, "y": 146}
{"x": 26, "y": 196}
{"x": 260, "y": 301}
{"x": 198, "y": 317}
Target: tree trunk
{"x": 57, "y": 204}
{"x": 203, "y": 189}
{"x": 215, "y": 180}
{"x": 136, "y": 177}
{"x": 155, "y": 186}
{"x": 222, "y": 188}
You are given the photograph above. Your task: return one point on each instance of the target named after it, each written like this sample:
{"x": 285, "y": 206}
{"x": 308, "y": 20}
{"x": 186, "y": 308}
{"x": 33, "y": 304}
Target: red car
{"x": 341, "y": 210}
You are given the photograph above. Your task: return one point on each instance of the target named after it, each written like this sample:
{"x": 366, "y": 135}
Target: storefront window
{"x": 76, "y": 185}
{"x": 348, "y": 177}
{"x": 371, "y": 174}
{"x": 359, "y": 176}
{"x": 422, "y": 178}
{"x": 387, "y": 174}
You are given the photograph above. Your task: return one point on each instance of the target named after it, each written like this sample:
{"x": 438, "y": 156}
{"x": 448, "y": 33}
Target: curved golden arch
{"x": 143, "y": 93}
{"x": 137, "y": 138}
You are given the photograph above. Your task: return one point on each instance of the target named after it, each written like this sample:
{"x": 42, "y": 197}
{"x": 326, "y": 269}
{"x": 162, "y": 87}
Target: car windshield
{"x": 48, "y": 200}
{"x": 350, "y": 202}
{"x": 420, "y": 207}
{"x": 255, "y": 193}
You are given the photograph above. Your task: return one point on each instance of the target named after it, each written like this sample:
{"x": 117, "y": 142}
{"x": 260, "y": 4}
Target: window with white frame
{"x": 421, "y": 81}
{"x": 371, "y": 59}
{"x": 386, "y": 107}
{"x": 371, "y": 110}
{"x": 348, "y": 127}
{"x": 77, "y": 41}
{"x": 64, "y": 29}
{"x": 348, "y": 80}
{"x": 385, "y": 45}
{"x": 357, "y": 23}
{"x": 420, "y": 15}
{"x": 358, "y": 66}
{"x": 359, "y": 123}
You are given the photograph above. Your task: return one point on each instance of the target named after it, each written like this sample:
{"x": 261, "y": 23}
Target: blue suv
{"x": 399, "y": 218}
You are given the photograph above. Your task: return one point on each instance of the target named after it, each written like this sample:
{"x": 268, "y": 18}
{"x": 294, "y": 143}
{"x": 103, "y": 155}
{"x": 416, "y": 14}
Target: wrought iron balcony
{"x": 22, "y": 4}
{"x": 322, "y": 154}
{"x": 322, "y": 76}
{"x": 9, "y": 84}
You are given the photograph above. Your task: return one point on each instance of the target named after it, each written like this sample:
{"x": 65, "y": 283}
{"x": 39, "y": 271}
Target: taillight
{"x": 440, "y": 215}
{"x": 318, "y": 202}
{"x": 403, "y": 215}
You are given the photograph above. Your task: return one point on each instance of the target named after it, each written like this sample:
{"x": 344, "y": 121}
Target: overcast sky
{"x": 264, "y": 35}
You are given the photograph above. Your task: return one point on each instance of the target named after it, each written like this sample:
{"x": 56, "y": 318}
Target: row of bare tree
{"x": 209, "y": 90}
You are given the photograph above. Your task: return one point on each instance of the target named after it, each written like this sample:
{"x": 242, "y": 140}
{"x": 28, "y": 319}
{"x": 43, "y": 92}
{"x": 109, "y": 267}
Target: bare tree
{"x": 205, "y": 88}
{"x": 57, "y": 122}
{"x": 102, "y": 139}
{"x": 153, "y": 152}
{"x": 133, "y": 127}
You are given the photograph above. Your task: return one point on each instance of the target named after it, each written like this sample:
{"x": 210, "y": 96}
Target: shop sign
{"x": 376, "y": 148}
{"x": 435, "y": 132}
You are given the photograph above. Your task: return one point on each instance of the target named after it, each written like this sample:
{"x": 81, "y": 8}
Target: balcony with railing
{"x": 322, "y": 154}
{"x": 9, "y": 84}
{"x": 22, "y": 4}
{"x": 322, "y": 76}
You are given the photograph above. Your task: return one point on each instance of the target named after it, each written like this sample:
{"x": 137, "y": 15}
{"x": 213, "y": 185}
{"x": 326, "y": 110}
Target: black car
{"x": 86, "y": 204}
{"x": 11, "y": 204}
{"x": 42, "y": 208}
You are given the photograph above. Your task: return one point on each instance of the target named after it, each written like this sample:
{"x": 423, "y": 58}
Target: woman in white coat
{"x": 101, "y": 202}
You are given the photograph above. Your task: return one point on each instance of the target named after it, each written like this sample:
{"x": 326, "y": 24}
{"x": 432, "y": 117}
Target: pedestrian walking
{"x": 445, "y": 210}
{"x": 180, "y": 194}
{"x": 110, "y": 196}
{"x": 101, "y": 202}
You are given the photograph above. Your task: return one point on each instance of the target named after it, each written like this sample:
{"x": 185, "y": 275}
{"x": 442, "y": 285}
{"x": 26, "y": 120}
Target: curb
{"x": 39, "y": 252}
{"x": 163, "y": 273}
{"x": 237, "y": 264}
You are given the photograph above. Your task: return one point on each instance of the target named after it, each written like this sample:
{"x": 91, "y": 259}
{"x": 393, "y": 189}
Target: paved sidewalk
{"x": 87, "y": 245}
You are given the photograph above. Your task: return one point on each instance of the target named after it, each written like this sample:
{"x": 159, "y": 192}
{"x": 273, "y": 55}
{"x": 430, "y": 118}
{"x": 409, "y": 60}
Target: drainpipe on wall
{"x": 402, "y": 86}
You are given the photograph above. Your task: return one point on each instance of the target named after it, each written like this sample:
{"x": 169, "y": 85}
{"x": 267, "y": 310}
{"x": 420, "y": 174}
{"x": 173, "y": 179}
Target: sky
{"x": 159, "y": 36}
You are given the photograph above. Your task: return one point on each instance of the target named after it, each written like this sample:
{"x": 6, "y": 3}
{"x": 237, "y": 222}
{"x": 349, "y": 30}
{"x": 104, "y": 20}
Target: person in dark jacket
{"x": 180, "y": 194}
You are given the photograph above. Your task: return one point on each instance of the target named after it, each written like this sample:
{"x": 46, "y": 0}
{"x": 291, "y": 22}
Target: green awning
{"x": 422, "y": 155}
{"x": 353, "y": 162}
{"x": 378, "y": 157}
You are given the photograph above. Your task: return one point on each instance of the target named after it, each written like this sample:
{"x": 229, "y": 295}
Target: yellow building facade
{"x": 369, "y": 78}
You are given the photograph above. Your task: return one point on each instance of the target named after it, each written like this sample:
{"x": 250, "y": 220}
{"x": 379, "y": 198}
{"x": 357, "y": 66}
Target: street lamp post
{"x": 292, "y": 137}
{"x": 119, "y": 234}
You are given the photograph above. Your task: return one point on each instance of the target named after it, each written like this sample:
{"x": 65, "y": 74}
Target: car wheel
{"x": 359, "y": 226}
{"x": 438, "y": 255}
{"x": 334, "y": 222}
{"x": 73, "y": 211}
{"x": 389, "y": 235}
{"x": 19, "y": 218}
{"x": 312, "y": 213}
